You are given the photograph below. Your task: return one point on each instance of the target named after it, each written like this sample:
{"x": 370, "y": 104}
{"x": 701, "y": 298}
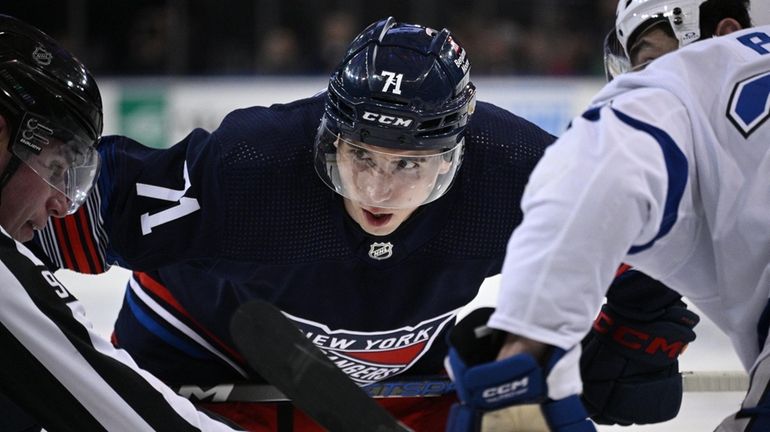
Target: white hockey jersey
{"x": 670, "y": 172}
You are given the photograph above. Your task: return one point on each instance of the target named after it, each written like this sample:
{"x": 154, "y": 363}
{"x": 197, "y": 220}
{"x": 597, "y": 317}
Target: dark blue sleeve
{"x": 146, "y": 209}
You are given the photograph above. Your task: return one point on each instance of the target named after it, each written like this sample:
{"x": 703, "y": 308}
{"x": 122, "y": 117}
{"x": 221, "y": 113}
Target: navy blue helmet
{"x": 400, "y": 87}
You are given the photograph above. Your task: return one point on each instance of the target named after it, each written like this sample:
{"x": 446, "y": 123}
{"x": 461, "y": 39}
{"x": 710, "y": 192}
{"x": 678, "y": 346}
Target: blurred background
{"x": 166, "y": 67}
{"x": 246, "y": 37}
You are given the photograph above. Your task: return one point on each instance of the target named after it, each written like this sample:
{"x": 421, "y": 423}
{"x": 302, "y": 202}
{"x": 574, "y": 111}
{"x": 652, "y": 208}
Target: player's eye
{"x": 406, "y": 164}
{"x": 362, "y": 156}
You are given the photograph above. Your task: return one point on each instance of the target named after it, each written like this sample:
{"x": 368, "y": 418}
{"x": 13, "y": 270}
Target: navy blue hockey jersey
{"x": 239, "y": 213}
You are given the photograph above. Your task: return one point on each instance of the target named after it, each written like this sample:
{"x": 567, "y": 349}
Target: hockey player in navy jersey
{"x": 667, "y": 170}
{"x": 369, "y": 214}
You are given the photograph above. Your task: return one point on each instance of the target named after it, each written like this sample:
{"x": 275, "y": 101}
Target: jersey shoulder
{"x": 498, "y": 140}
{"x": 275, "y": 208}
{"x": 501, "y": 150}
{"x": 272, "y": 135}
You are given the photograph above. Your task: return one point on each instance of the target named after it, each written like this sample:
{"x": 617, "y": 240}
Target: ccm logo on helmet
{"x": 386, "y": 119}
{"x": 506, "y": 390}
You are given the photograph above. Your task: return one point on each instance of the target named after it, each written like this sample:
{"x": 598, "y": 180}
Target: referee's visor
{"x": 61, "y": 153}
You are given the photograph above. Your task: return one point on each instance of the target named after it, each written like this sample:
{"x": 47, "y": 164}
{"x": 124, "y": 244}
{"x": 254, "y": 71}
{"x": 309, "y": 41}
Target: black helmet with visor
{"x": 54, "y": 108}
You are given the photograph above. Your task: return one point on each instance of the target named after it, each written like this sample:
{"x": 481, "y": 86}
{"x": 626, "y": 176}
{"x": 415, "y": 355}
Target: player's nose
{"x": 377, "y": 186}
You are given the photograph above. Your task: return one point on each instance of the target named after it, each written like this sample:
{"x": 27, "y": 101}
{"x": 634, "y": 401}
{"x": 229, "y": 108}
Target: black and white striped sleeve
{"x": 65, "y": 375}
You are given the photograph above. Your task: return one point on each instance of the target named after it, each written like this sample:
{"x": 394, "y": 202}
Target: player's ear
{"x": 727, "y": 26}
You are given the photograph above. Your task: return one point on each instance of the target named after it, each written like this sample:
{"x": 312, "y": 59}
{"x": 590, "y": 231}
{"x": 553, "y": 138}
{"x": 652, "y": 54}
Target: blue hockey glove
{"x": 484, "y": 384}
{"x": 629, "y": 365}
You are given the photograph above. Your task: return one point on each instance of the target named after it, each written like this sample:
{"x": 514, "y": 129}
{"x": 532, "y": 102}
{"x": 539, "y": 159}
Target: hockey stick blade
{"x": 280, "y": 353}
{"x": 715, "y": 381}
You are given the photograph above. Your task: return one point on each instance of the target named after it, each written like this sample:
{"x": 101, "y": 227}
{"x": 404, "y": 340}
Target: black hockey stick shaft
{"x": 277, "y": 351}
{"x": 430, "y": 386}
{"x": 424, "y": 387}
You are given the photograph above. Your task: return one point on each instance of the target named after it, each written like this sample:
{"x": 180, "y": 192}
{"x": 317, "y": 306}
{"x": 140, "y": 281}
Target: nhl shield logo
{"x": 42, "y": 56}
{"x": 381, "y": 251}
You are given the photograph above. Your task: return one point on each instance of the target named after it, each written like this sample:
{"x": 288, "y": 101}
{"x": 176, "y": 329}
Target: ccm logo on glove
{"x": 635, "y": 339}
{"x": 510, "y": 389}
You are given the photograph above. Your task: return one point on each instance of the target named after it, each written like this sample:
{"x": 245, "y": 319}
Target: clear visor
{"x": 384, "y": 178}
{"x": 65, "y": 159}
{"x": 616, "y": 61}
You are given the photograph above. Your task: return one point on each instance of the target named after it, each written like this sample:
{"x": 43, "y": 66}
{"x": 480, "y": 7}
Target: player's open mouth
{"x": 376, "y": 218}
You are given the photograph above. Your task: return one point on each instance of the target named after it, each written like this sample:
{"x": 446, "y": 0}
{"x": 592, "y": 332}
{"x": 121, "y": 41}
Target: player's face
{"x": 650, "y": 45}
{"x": 384, "y": 187}
{"x": 27, "y": 201}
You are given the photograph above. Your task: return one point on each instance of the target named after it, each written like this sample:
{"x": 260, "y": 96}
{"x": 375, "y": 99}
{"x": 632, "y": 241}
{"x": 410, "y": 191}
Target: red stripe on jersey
{"x": 622, "y": 269}
{"x": 63, "y": 240}
{"x": 417, "y": 413}
{"x": 81, "y": 262}
{"x": 396, "y": 356}
{"x": 162, "y": 292}
{"x": 90, "y": 251}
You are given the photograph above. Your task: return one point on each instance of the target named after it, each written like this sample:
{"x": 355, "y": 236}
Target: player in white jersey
{"x": 53, "y": 365}
{"x": 669, "y": 170}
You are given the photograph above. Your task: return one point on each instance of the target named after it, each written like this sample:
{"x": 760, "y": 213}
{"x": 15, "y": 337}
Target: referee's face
{"x": 26, "y": 200}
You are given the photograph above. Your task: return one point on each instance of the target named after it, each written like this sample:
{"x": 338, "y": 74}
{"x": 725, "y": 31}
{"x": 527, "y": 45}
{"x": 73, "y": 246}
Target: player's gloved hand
{"x": 629, "y": 365}
{"x": 484, "y": 384}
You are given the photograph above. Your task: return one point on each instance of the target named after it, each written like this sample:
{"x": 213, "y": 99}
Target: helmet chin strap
{"x": 8, "y": 172}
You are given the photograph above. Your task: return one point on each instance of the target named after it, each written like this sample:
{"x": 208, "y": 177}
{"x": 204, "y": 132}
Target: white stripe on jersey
{"x": 94, "y": 204}
{"x": 54, "y": 350}
{"x": 182, "y": 327}
{"x": 49, "y": 244}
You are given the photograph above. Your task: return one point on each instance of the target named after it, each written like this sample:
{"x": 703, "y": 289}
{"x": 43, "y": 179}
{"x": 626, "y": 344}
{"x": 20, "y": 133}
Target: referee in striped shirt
{"x": 52, "y": 365}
